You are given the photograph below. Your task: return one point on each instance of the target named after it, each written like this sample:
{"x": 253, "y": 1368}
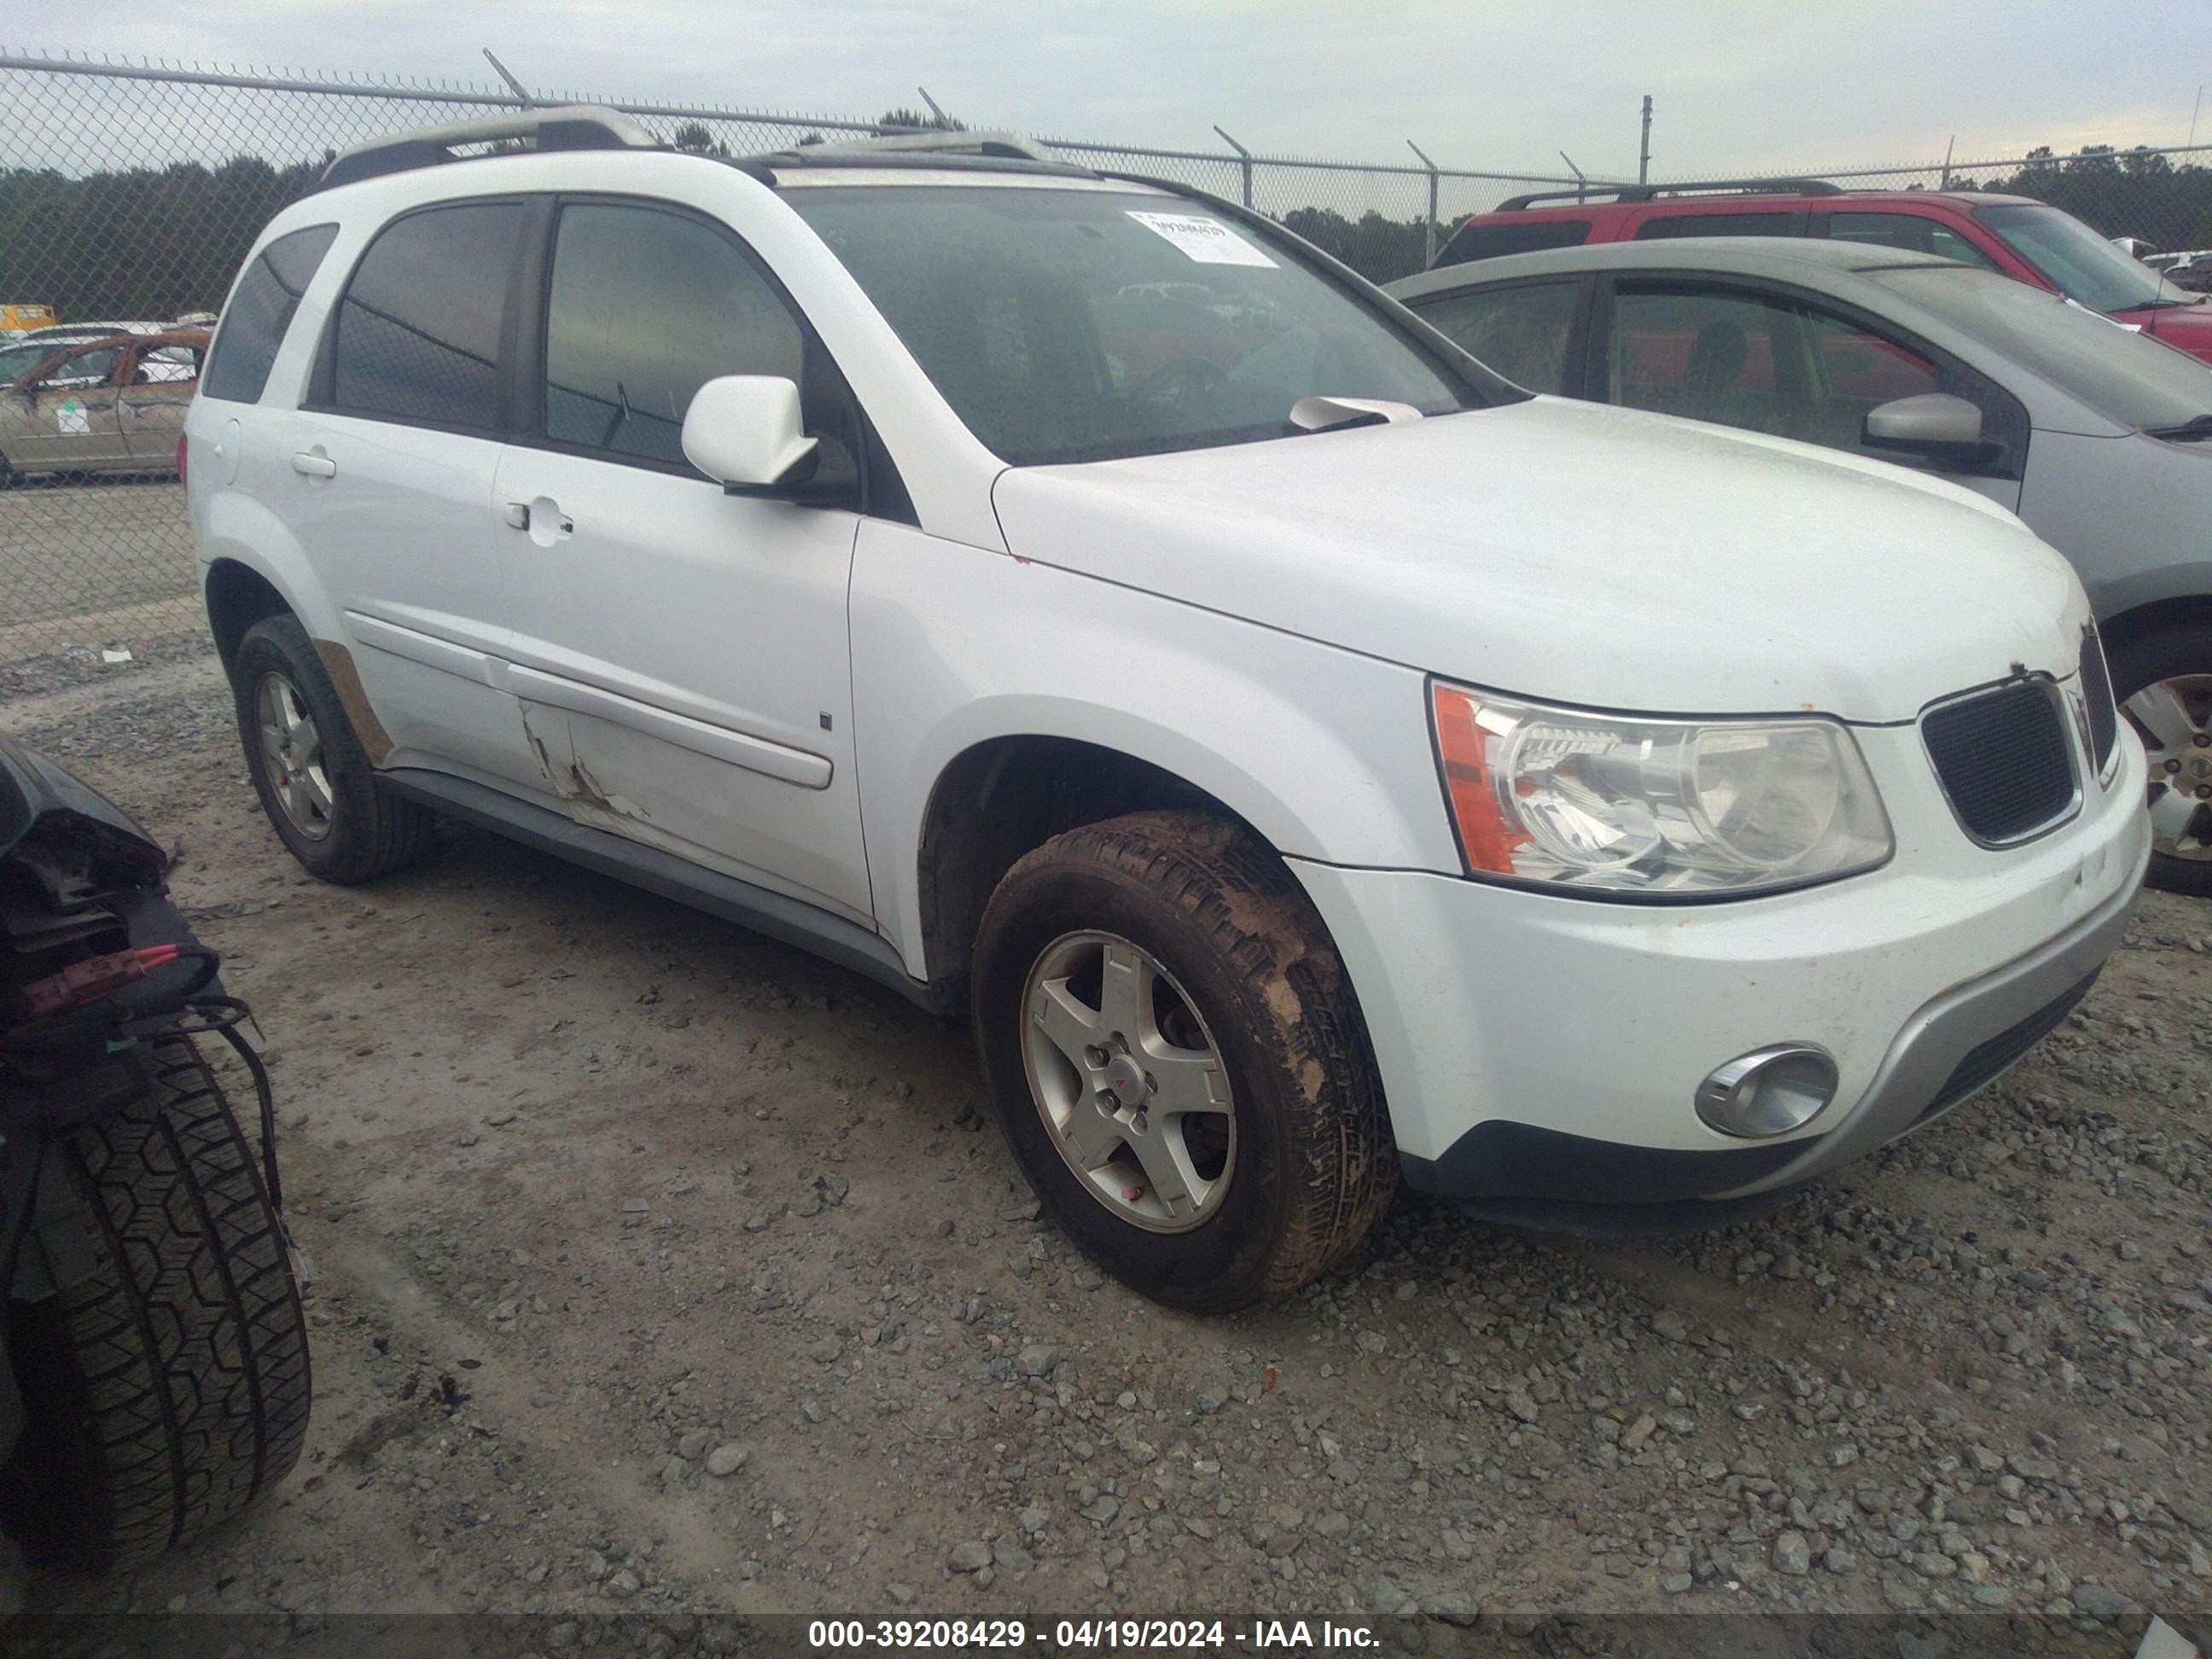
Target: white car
{"x": 1306, "y": 757}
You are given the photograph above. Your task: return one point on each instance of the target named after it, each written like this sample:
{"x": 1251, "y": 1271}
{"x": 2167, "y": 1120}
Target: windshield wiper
{"x": 2164, "y": 304}
{"x": 2189, "y": 431}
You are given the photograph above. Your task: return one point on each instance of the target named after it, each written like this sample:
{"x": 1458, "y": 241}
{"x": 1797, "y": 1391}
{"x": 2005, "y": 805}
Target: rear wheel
{"x": 314, "y": 779}
{"x": 1178, "y": 1061}
{"x": 2164, "y": 683}
{"x": 169, "y": 1388}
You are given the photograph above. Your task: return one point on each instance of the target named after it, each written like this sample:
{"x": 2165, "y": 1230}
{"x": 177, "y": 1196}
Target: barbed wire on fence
{"x": 131, "y": 191}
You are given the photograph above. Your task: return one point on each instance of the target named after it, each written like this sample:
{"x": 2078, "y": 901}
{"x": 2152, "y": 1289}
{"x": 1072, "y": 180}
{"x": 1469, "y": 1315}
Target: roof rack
{"x": 928, "y": 148}
{"x": 567, "y": 126}
{"x": 1652, "y": 192}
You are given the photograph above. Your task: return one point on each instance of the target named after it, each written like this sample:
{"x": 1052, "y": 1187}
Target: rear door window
{"x": 260, "y": 311}
{"x": 418, "y": 335}
{"x": 1909, "y": 231}
{"x": 1519, "y": 329}
{"x": 1717, "y": 224}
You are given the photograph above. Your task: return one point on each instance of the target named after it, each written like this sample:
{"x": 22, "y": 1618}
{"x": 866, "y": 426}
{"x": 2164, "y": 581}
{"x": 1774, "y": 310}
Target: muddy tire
{"x": 168, "y": 1390}
{"x": 1222, "y": 1139}
{"x": 314, "y": 779}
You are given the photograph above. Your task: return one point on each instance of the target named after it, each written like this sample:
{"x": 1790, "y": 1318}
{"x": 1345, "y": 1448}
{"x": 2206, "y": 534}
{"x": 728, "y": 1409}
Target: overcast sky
{"x": 1738, "y": 86}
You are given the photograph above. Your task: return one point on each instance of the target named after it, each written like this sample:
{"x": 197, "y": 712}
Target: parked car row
{"x": 1308, "y": 760}
{"x": 2099, "y": 437}
{"x": 2016, "y": 235}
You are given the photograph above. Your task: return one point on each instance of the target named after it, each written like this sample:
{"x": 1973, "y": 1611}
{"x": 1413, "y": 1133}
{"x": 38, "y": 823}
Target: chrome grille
{"x": 2097, "y": 694}
{"x": 2004, "y": 760}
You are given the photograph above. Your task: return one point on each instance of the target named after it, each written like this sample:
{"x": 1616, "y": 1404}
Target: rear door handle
{"x": 314, "y": 466}
{"x": 518, "y": 516}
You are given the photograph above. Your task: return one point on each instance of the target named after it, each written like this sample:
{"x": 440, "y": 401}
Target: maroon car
{"x": 2025, "y": 239}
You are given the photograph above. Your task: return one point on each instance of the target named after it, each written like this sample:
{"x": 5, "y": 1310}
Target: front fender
{"x": 1324, "y": 752}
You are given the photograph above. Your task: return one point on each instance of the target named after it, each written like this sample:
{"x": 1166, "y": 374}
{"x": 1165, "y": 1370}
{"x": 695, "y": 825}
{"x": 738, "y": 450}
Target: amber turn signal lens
{"x": 1486, "y": 841}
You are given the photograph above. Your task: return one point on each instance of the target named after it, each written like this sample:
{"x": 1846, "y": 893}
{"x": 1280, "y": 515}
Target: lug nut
{"x": 2204, "y": 792}
{"x": 1097, "y": 1056}
{"x": 2201, "y": 740}
{"x": 2173, "y": 765}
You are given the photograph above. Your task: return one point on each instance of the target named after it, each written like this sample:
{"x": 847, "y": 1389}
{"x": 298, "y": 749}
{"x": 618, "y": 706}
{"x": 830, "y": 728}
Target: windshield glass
{"x": 1068, "y": 324}
{"x": 2077, "y": 260}
{"x": 2124, "y": 375}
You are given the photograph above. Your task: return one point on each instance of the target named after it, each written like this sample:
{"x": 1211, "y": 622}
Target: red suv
{"x": 2021, "y": 237}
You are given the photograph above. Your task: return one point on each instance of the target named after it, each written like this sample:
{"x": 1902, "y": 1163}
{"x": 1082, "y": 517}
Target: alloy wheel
{"x": 1128, "y": 1081}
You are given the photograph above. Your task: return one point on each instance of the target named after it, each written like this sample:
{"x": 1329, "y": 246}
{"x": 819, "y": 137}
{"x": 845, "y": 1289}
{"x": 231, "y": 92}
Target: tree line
{"x": 160, "y": 243}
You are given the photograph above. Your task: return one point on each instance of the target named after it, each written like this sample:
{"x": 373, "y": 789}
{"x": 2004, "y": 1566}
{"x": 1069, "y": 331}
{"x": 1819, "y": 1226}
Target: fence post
{"x": 1429, "y": 230}
{"x": 1246, "y": 163}
{"x": 521, "y": 97}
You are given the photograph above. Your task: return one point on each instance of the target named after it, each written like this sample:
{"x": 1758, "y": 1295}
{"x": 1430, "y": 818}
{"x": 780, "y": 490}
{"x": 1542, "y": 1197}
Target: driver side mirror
{"x": 1935, "y": 426}
{"x": 744, "y": 432}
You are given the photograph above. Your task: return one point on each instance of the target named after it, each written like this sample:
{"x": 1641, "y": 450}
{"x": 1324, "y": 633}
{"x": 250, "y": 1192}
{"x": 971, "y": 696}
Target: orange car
{"x": 115, "y": 404}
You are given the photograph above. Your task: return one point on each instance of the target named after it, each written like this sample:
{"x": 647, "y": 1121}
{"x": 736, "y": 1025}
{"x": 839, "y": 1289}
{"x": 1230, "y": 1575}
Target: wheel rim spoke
{"x": 1067, "y": 1023}
{"x": 2159, "y": 709}
{"x": 1125, "y": 992}
{"x": 1186, "y": 1081}
{"x": 1092, "y": 1136}
{"x": 1166, "y": 1159}
{"x": 2173, "y": 817}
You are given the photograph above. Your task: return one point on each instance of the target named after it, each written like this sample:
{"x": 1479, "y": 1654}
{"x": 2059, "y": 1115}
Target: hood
{"x": 1580, "y": 554}
{"x": 2188, "y": 327}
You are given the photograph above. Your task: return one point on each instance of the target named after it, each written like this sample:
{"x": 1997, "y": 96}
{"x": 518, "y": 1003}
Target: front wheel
{"x": 1178, "y": 1061}
{"x": 2164, "y": 683}
{"x": 166, "y": 1388}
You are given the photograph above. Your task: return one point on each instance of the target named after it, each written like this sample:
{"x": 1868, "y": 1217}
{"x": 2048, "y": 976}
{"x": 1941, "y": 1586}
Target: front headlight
{"x": 1663, "y": 808}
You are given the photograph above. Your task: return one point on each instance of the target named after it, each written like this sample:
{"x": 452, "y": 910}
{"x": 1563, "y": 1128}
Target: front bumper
{"x": 1545, "y": 1049}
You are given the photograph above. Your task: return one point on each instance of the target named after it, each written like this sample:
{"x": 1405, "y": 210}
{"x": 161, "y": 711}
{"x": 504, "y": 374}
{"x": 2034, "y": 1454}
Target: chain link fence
{"x": 130, "y": 194}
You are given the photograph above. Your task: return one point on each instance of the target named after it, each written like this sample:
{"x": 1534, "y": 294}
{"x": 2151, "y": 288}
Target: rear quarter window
{"x": 261, "y": 310}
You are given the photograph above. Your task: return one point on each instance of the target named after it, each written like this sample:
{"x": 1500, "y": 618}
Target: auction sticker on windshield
{"x": 1206, "y": 241}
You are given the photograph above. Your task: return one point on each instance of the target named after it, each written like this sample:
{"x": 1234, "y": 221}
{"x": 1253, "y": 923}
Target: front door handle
{"x": 314, "y": 466}
{"x": 544, "y": 513}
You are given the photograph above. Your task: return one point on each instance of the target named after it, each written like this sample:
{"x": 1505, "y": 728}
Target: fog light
{"x": 1769, "y": 1091}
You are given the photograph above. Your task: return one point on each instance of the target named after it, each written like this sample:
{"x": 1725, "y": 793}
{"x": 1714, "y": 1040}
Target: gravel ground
{"x": 663, "y": 1269}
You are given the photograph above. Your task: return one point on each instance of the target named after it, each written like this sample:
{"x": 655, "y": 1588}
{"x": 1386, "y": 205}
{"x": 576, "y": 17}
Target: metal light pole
{"x": 1643, "y": 159}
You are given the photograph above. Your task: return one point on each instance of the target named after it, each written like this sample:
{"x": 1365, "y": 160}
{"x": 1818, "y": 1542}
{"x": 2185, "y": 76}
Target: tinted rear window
{"x": 1488, "y": 241}
{"x": 1717, "y": 224}
{"x": 261, "y": 310}
{"x": 418, "y": 331}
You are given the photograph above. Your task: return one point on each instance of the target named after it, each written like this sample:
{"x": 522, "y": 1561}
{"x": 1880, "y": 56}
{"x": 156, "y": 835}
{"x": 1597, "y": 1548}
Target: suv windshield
{"x": 2130, "y": 379}
{"x": 2077, "y": 261}
{"x": 1066, "y": 324}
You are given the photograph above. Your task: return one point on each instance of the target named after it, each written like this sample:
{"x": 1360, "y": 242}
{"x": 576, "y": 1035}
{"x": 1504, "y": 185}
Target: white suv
{"x": 1074, "y": 599}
